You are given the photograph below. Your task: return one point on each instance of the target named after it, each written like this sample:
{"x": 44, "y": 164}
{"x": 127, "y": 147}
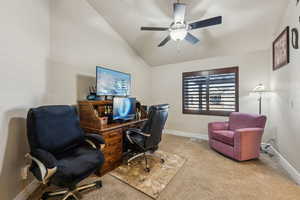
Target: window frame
{"x": 207, "y": 73}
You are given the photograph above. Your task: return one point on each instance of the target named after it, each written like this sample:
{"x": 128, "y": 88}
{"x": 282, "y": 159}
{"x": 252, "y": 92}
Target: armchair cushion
{"x": 225, "y": 136}
{"x": 242, "y": 120}
{"x": 218, "y": 126}
{"x": 77, "y": 164}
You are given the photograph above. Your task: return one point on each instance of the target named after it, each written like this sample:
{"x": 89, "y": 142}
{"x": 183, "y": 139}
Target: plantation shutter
{"x": 211, "y": 92}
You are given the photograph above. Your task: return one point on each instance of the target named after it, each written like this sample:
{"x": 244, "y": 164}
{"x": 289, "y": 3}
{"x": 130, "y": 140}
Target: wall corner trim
{"x": 288, "y": 167}
{"x": 28, "y": 190}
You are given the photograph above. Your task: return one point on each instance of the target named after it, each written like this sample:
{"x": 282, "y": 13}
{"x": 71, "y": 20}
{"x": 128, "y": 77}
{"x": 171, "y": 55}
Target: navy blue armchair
{"x": 62, "y": 154}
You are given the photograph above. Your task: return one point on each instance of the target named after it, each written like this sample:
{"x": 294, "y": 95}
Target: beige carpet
{"x": 207, "y": 175}
{"x": 154, "y": 182}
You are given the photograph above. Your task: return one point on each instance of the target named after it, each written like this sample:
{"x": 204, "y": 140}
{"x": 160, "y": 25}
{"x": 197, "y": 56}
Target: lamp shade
{"x": 259, "y": 88}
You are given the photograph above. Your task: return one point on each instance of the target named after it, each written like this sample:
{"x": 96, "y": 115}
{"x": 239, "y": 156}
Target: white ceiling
{"x": 247, "y": 26}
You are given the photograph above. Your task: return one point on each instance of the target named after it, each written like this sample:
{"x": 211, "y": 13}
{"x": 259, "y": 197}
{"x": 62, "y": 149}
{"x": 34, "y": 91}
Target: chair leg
{"x": 70, "y": 195}
{"x": 156, "y": 156}
{"x": 48, "y": 195}
{"x": 147, "y": 169}
{"x": 73, "y": 193}
{"x": 134, "y": 157}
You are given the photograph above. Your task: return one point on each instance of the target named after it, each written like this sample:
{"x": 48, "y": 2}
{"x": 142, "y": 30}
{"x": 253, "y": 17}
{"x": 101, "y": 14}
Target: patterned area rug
{"x": 154, "y": 182}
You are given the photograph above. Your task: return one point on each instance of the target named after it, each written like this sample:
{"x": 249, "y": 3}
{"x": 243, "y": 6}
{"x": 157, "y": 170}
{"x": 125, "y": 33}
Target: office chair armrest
{"x": 138, "y": 131}
{"x": 95, "y": 140}
{"x": 45, "y": 157}
{"x": 46, "y": 163}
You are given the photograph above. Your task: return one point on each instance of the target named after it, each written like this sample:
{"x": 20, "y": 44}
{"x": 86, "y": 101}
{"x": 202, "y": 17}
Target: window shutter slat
{"x": 210, "y": 92}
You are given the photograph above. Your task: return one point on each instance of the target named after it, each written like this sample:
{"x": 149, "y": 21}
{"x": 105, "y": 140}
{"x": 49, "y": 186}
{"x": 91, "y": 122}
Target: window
{"x": 211, "y": 92}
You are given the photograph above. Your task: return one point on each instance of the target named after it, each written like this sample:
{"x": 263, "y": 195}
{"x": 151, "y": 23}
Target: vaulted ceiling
{"x": 247, "y": 26}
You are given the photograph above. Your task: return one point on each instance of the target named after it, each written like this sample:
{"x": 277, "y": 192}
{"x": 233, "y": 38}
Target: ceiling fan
{"x": 180, "y": 29}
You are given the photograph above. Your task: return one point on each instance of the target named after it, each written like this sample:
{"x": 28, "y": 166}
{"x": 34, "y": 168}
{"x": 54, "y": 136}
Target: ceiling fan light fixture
{"x": 178, "y": 34}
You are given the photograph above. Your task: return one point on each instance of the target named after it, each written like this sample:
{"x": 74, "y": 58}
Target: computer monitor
{"x": 112, "y": 83}
{"x": 124, "y": 108}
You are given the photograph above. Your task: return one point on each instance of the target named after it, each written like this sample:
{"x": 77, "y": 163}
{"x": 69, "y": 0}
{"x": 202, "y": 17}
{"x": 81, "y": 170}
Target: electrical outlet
{"x": 24, "y": 172}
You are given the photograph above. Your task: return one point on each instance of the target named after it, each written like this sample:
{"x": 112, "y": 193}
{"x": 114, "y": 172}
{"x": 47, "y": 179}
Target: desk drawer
{"x": 112, "y": 134}
{"x": 113, "y": 142}
{"x": 112, "y": 157}
{"x": 113, "y": 153}
{"x": 113, "y": 149}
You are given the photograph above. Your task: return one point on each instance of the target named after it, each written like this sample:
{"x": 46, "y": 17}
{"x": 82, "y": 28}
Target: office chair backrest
{"x": 54, "y": 128}
{"x": 157, "y": 118}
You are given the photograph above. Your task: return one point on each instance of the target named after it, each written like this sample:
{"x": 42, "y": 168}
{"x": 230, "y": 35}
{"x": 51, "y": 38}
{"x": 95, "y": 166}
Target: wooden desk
{"x": 112, "y": 133}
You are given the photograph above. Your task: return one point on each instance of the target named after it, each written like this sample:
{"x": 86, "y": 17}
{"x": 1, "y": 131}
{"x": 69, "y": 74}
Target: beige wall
{"x": 24, "y": 51}
{"x": 80, "y": 40}
{"x": 285, "y": 105}
{"x": 48, "y": 54}
{"x": 167, "y": 87}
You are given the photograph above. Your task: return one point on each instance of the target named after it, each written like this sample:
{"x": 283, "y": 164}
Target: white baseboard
{"x": 28, "y": 190}
{"x": 295, "y": 175}
{"x": 186, "y": 134}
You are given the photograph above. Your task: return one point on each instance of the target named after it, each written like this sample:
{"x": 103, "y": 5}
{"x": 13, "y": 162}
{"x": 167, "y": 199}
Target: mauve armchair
{"x": 240, "y": 137}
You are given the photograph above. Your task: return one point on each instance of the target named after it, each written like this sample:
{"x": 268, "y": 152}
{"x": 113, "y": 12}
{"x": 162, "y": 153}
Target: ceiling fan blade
{"x": 206, "y": 22}
{"x": 179, "y": 12}
{"x": 154, "y": 29}
{"x": 191, "y": 39}
{"x": 167, "y": 39}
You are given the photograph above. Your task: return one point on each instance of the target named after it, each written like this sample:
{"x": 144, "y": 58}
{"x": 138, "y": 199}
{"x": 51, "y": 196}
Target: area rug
{"x": 154, "y": 182}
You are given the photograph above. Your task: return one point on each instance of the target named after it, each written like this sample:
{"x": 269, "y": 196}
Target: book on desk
{"x": 90, "y": 113}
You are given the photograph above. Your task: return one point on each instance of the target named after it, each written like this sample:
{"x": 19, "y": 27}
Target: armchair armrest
{"x": 46, "y": 163}
{"x": 95, "y": 140}
{"x": 247, "y": 142}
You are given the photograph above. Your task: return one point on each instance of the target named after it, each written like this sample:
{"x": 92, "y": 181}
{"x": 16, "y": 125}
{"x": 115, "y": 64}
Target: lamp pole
{"x": 259, "y": 100}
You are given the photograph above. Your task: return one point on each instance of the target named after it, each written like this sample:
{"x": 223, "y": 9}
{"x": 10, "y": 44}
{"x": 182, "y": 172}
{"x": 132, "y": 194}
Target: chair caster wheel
{"x": 45, "y": 196}
{"x": 98, "y": 184}
{"x": 162, "y": 161}
{"x": 147, "y": 169}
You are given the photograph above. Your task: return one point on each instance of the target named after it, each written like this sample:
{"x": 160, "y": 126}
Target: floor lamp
{"x": 260, "y": 90}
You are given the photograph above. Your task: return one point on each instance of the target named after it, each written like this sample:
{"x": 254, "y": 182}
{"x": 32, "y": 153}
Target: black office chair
{"x": 140, "y": 142}
{"x": 60, "y": 151}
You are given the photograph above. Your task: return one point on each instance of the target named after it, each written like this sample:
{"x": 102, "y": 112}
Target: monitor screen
{"x": 112, "y": 83}
{"x": 124, "y": 108}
